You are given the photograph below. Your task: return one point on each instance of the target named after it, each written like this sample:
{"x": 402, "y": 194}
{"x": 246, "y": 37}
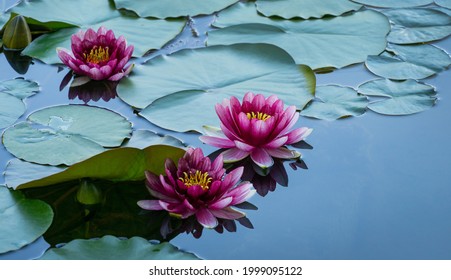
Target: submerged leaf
{"x": 443, "y": 3}
{"x": 399, "y": 98}
{"x": 19, "y": 88}
{"x": 173, "y": 8}
{"x": 329, "y": 42}
{"x": 417, "y": 25}
{"x": 113, "y": 248}
{"x": 85, "y": 14}
{"x": 66, "y": 134}
{"x": 208, "y": 75}
{"x": 409, "y": 62}
{"x": 334, "y": 102}
{"x": 22, "y": 220}
{"x": 305, "y": 8}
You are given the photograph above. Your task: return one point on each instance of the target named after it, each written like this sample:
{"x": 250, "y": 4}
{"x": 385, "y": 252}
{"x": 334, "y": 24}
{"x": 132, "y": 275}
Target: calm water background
{"x": 378, "y": 187}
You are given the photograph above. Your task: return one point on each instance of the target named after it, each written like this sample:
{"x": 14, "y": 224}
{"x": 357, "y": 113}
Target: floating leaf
{"x": 443, "y": 3}
{"x": 173, "y": 8}
{"x": 122, "y": 164}
{"x": 330, "y": 42}
{"x": 144, "y": 138}
{"x": 20, "y": 172}
{"x": 10, "y": 110}
{"x": 334, "y": 102}
{"x": 66, "y": 134}
{"x": 409, "y": 62}
{"x": 400, "y": 97}
{"x": 22, "y": 220}
{"x": 85, "y": 14}
{"x": 417, "y": 25}
{"x": 208, "y": 75}
{"x": 305, "y": 8}
{"x": 113, "y": 248}
{"x": 394, "y": 4}
{"x": 19, "y": 88}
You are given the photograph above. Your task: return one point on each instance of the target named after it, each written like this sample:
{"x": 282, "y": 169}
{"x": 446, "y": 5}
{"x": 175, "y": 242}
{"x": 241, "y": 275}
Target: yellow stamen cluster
{"x": 258, "y": 115}
{"x": 97, "y": 54}
{"x": 198, "y": 178}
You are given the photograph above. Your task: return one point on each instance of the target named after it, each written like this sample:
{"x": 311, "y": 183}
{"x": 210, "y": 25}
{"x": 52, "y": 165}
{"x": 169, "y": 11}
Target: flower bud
{"x": 88, "y": 194}
{"x": 17, "y": 34}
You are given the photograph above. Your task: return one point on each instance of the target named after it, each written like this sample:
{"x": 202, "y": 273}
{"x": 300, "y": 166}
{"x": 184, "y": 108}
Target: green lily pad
{"x": 11, "y": 93}
{"x": 85, "y": 14}
{"x": 333, "y": 102}
{"x": 417, "y": 25}
{"x": 113, "y": 248}
{"x": 22, "y": 220}
{"x": 330, "y": 42}
{"x": 399, "y": 97}
{"x": 10, "y": 110}
{"x": 409, "y": 62}
{"x": 19, "y": 88}
{"x": 394, "y": 4}
{"x": 174, "y": 8}
{"x": 305, "y": 8}
{"x": 206, "y": 76}
{"x": 144, "y": 138}
{"x": 66, "y": 134}
{"x": 443, "y": 3}
{"x": 122, "y": 164}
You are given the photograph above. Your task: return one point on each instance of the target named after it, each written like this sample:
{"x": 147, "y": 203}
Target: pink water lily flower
{"x": 98, "y": 55}
{"x": 198, "y": 187}
{"x": 259, "y": 128}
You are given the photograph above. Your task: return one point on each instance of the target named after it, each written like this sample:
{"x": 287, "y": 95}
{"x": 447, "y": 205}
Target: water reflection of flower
{"x": 259, "y": 128}
{"x": 98, "y": 55}
{"x": 198, "y": 188}
{"x": 89, "y": 90}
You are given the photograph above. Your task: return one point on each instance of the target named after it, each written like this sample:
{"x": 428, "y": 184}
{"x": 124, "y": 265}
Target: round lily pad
{"x": 22, "y": 220}
{"x": 113, "y": 248}
{"x": 66, "y": 134}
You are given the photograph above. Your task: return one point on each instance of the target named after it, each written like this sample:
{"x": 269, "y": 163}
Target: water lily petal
{"x": 234, "y": 154}
{"x": 243, "y": 146}
{"x": 298, "y": 134}
{"x": 206, "y": 218}
{"x": 217, "y": 142}
{"x": 262, "y": 158}
{"x": 150, "y": 204}
{"x": 276, "y": 143}
{"x": 222, "y": 203}
{"x": 282, "y": 152}
{"x": 241, "y": 193}
{"x": 228, "y": 213}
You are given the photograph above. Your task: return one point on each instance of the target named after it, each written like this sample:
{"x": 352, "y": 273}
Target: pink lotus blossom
{"x": 259, "y": 128}
{"x": 98, "y": 55}
{"x": 198, "y": 187}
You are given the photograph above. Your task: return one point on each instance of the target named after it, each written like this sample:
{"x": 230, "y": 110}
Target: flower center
{"x": 258, "y": 115}
{"x": 198, "y": 178}
{"x": 97, "y": 54}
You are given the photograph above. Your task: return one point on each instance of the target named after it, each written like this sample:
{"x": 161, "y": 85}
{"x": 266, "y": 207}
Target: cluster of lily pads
{"x": 270, "y": 48}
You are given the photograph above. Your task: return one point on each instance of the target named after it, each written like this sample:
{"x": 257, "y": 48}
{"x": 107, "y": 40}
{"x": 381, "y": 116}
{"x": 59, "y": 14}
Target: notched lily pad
{"x": 329, "y": 42}
{"x": 66, "y": 134}
{"x": 11, "y": 94}
{"x": 113, "y": 248}
{"x": 305, "y": 8}
{"x": 443, "y": 3}
{"x": 173, "y": 8}
{"x": 409, "y": 62}
{"x": 417, "y": 25}
{"x": 399, "y": 97}
{"x": 333, "y": 102}
{"x": 22, "y": 220}
{"x": 208, "y": 75}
